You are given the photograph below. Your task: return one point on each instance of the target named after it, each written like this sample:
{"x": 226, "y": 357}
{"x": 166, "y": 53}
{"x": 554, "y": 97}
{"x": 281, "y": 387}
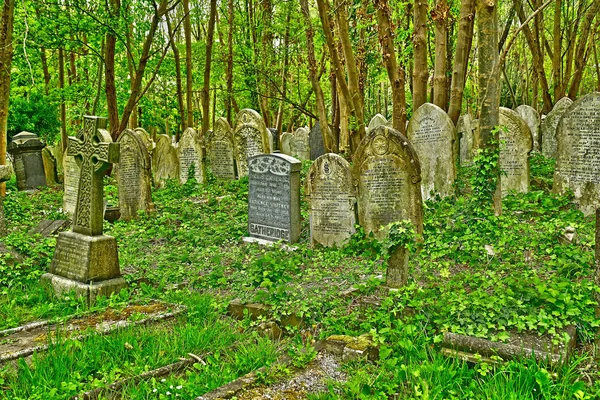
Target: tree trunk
{"x": 440, "y": 18}
{"x": 229, "y": 71}
{"x": 580, "y": 56}
{"x": 284, "y": 75}
{"x": 420, "y": 73}
{"x": 556, "y": 50}
{"x": 109, "y": 65}
{"x": 178, "y": 80}
{"x": 207, "y": 64}
{"x": 6, "y": 54}
{"x": 187, "y": 29}
{"x": 63, "y": 109}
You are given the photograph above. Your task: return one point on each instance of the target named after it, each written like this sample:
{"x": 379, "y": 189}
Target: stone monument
{"x": 286, "y": 140}
{"x": 250, "y": 138}
{"x": 71, "y": 172}
{"x": 532, "y": 118}
{"x": 515, "y": 145}
{"x": 49, "y": 165}
{"x": 317, "y": 145}
{"x": 165, "y": 162}
{"x": 219, "y": 144}
{"x": 377, "y": 121}
{"x": 300, "y": 145}
{"x": 189, "y": 152}
{"x": 550, "y": 124}
{"x": 26, "y": 149}
{"x": 465, "y": 128}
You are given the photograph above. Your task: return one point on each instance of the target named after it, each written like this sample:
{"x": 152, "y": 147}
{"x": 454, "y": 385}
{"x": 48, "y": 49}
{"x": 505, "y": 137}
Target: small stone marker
{"x": 165, "y": 163}
{"x": 532, "y": 118}
{"x": 465, "y": 129}
{"x": 550, "y": 125}
{"x": 286, "y": 140}
{"x": 133, "y": 175}
{"x": 578, "y": 153}
{"x": 300, "y": 145}
{"x": 250, "y": 138}
{"x": 26, "y": 149}
{"x": 377, "y": 121}
{"x": 332, "y": 200}
{"x": 71, "y": 175}
{"x": 274, "y": 198}
{"x": 317, "y": 146}
{"x": 432, "y": 134}
{"x": 190, "y": 153}
{"x": 6, "y": 172}
{"x": 387, "y": 171}
{"x": 515, "y": 145}
{"x": 85, "y": 260}
{"x": 219, "y": 144}
{"x": 49, "y": 166}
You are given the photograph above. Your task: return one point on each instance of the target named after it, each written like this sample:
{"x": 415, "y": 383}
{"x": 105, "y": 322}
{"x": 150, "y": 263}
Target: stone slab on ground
{"x": 50, "y": 227}
{"x": 238, "y": 310}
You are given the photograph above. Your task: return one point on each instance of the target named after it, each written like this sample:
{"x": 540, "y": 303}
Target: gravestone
{"x": 377, "y": 121}
{"x": 26, "y": 149}
{"x": 274, "y": 198}
{"x": 189, "y": 152}
{"x": 133, "y": 175}
{"x": 219, "y": 144}
{"x": 516, "y": 143}
{"x": 286, "y": 140}
{"x": 71, "y": 175}
{"x": 57, "y": 152}
{"x": 388, "y": 174}
{"x": 532, "y": 118}
{"x": 465, "y": 128}
{"x": 431, "y": 133}
{"x": 550, "y": 125}
{"x": 165, "y": 162}
{"x": 332, "y": 200}
{"x": 6, "y": 172}
{"x": 49, "y": 166}
{"x": 147, "y": 138}
{"x": 300, "y": 145}
{"x": 578, "y": 153}
{"x": 317, "y": 146}
{"x": 275, "y": 136}
{"x": 250, "y": 138}
{"x": 85, "y": 260}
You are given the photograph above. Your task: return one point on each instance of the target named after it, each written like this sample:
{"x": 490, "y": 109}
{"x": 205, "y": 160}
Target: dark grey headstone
{"x": 317, "y": 146}
{"x": 26, "y": 149}
{"x": 275, "y": 134}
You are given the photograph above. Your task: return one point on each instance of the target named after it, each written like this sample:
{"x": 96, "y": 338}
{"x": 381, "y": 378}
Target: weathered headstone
{"x": 165, "y": 162}
{"x": 274, "y": 198}
{"x": 317, "y": 146}
{"x": 275, "y": 137}
{"x": 332, "y": 200}
{"x": 465, "y": 129}
{"x": 190, "y": 153}
{"x": 85, "y": 260}
{"x": 57, "y": 152}
{"x": 387, "y": 171}
{"x": 516, "y": 143}
{"x": 286, "y": 140}
{"x": 432, "y": 134}
{"x": 550, "y": 125}
{"x": 133, "y": 175}
{"x": 6, "y": 172}
{"x": 26, "y": 149}
{"x": 300, "y": 145}
{"x": 377, "y": 121}
{"x": 578, "y": 153}
{"x": 147, "y": 138}
{"x": 49, "y": 166}
{"x": 219, "y": 144}
{"x": 250, "y": 138}
{"x": 70, "y": 183}
{"x": 532, "y": 118}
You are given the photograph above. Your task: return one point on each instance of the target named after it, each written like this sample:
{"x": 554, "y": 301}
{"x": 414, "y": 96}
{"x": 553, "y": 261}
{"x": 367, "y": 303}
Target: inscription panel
{"x": 72, "y": 172}
{"x": 71, "y": 259}
{"x": 516, "y": 143}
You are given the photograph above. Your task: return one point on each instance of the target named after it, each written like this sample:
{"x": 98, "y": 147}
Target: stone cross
{"x": 94, "y": 152}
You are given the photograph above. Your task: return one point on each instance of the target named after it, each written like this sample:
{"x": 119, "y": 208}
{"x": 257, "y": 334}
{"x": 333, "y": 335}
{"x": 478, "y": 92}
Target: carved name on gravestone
{"x": 578, "y": 153}
{"x": 300, "y": 144}
{"x": 190, "y": 153}
{"x": 387, "y": 171}
{"x": 377, "y": 121}
{"x": 6, "y": 172}
{"x": 286, "y": 140}
{"x": 85, "y": 260}
{"x": 432, "y": 134}
{"x": 515, "y": 145}
{"x": 165, "y": 162}
{"x": 219, "y": 144}
{"x": 49, "y": 165}
{"x": 26, "y": 149}
{"x": 317, "y": 146}
{"x": 274, "y": 198}
{"x": 332, "y": 200}
{"x": 250, "y": 138}
{"x": 133, "y": 175}
{"x": 532, "y": 118}
{"x": 550, "y": 125}
{"x": 465, "y": 129}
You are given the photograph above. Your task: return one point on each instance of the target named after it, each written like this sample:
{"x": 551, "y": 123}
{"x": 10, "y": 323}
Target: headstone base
{"x": 263, "y": 242}
{"x": 89, "y": 291}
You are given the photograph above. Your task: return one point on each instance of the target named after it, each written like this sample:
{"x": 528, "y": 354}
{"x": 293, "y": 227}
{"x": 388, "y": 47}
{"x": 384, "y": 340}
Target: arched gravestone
{"x": 578, "y": 153}
{"x": 219, "y": 144}
{"x": 147, "y": 138}
{"x": 550, "y": 125}
{"x": 377, "y": 121}
{"x": 532, "y": 118}
{"x": 515, "y": 145}
{"x": 465, "y": 129}
{"x": 432, "y": 134}
{"x": 250, "y": 138}
{"x": 317, "y": 145}
{"x": 300, "y": 145}
{"x": 286, "y": 140}
{"x": 189, "y": 152}
{"x": 387, "y": 174}
{"x": 133, "y": 175}
{"x": 165, "y": 162}
{"x": 332, "y": 200}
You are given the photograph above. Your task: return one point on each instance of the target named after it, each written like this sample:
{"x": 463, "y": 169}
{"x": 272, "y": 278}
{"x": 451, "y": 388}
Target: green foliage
{"x": 34, "y": 113}
{"x": 485, "y": 176}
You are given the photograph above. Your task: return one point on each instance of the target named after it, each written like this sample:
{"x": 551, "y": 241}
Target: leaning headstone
{"x": 147, "y": 138}
{"x": 165, "y": 162}
{"x": 26, "y": 149}
{"x": 85, "y": 260}
{"x": 578, "y": 153}
{"x": 532, "y": 118}
{"x": 515, "y": 145}
{"x": 300, "y": 145}
{"x": 133, "y": 175}
{"x": 49, "y": 166}
{"x": 57, "y": 152}
{"x": 332, "y": 200}
{"x": 317, "y": 146}
{"x": 465, "y": 128}
{"x": 286, "y": 140}
{"x": 432, "y": 134}
{"x": 71, "y": 175}
{"x": 219, "y": 144}
{"x": 250, "y": 138}
{"x": 550, "y": 125}
{"x": 6, "y": 172}
{"x": 274, "y": 198}
{"x": 190, "y": 153}
{"x": 377, "y": 121}
{"x": 275, "y": 136}
{"x": 388, "y": 174}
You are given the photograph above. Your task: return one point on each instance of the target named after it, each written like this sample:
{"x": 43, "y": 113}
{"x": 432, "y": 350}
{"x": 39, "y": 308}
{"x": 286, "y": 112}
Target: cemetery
{"x": 311, "y": 200}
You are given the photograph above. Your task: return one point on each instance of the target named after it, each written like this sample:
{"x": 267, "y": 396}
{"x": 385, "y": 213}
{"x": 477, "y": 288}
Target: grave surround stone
{"x": 250, "y": 138}
{"x": 220, "y": 150}
{"x": 26, "y": 149}
{"x": 317, "y": 145}
{"x": 189, "y": 152}
{"x": 532, "y": 118}
{"x": 300, "y": 144}
{"x": 165, "y": 162}
{"x": 550, "y": 125}
{"x": 516, "y": 143}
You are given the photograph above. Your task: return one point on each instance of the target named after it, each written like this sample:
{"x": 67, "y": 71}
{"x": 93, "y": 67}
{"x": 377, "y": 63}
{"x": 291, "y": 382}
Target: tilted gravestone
{"x": 250, "y": 138}
{"x": 317, "y": 146}
{"x": 300, "y": 144}
{"x": 465, "y": 129}
{"x": 49, "y": 165}
{"x": 147, "y": 138}
{"x": 85, "y": 260}
{"x": 189, "y": 152}
{"x": 6, "y": 172}
{"x": 286, "y": 140}
{"x": 532, "y": 118}
{"x": 550, "y": 125}
{"x": 432, "y": 134}
{"x": 219, "y": 145}
{"x": 275, "y": 136}
{"x": 165, "y": 161}
{"x": 377, "y": 121}
{"x": 133, "y": 175}
{"x": 516, "y": 143}
{"x": 274, "y": 198}
{"x": 578, "y": 153}
{"x": 332, "y": 200}
{"x": 26, "y": 149}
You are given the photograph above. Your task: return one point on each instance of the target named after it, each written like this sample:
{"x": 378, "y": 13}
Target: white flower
{"x": 179, "y": 387}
